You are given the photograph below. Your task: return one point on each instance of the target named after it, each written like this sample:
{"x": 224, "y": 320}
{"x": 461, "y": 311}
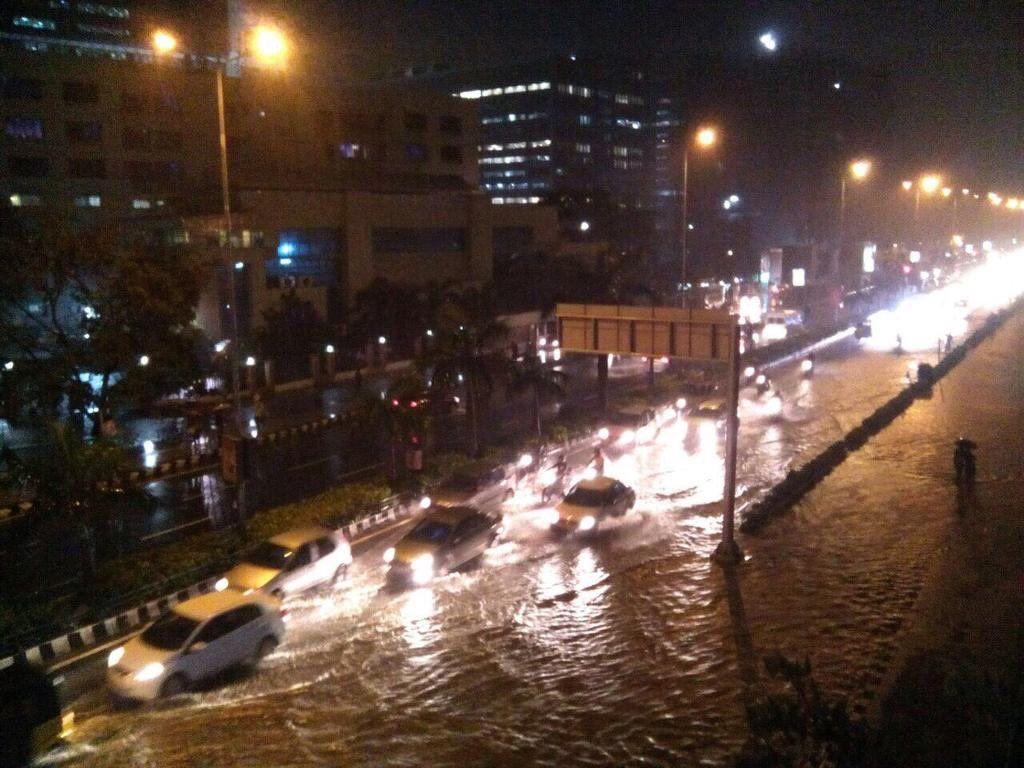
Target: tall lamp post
{"x": 858, "y": 170}
{"x": 268, "y": 45}
{"x": 705, "y": 138}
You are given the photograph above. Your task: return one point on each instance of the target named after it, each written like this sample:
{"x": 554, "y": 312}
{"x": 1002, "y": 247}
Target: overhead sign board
{"x": 689, "y": 334}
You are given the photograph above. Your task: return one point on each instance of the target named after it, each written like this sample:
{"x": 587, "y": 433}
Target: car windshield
{"x": 460, "y": 483}
{"x": 169, "y": 632}
{"x": 269, "y": 555}
{"x": 587, "y": 497}
{"x": 430, "y": 530}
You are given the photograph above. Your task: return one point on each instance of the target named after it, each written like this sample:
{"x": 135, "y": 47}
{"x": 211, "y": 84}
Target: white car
{"x": 194, "y": 640}
{"x": 629, "y": 426}
{"x": 590, "y": 502}
{"x": 293, "y": 562}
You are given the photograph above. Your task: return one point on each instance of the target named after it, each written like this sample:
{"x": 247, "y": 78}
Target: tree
{"x": 90, "y": 322}
{"x": 541, "y": 381}
{"x": 462, "y": 353}
{"x": 397, "y": 419}
{"x": 72, "y": 487}
{"x": 292, "y": 329}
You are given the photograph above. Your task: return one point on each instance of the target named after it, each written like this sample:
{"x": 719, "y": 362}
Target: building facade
{"x": 570, "y": 131}
{"x": 331, "y": 186}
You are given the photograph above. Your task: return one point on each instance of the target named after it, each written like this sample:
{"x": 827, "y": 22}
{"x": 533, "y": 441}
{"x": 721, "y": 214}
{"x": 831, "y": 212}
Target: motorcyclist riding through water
{"x": 964, "y": 463}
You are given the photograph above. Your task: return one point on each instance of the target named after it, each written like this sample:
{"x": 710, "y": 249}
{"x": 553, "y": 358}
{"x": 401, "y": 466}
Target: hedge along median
{"x": 798, "y": 482}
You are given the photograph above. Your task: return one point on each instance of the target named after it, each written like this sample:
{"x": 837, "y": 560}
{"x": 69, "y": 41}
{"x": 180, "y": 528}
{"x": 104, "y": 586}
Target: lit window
{"x": 88, "y": 201}
{"x": 583, "y": 149}
{"x": 100, "y": 9}
{"x": 141, "y": 204}
{"x": 29, "y": 22}
{"x": 24, "y": 128}
{"x": 585, "y": 120}
{"x": 21, "y": 200}
{"x": 350, "y": 151}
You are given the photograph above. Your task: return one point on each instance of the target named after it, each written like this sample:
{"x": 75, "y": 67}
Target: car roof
{"x": 713, "y": 402}
{"x": 450, "y": 515}
{"x": 601, "y": 483}
{"x": 212, "y": 603}
{"x": 299, "y": 536}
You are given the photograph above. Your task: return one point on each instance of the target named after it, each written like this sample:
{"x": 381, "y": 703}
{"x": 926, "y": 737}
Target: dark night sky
{"x": 957, "y": 66}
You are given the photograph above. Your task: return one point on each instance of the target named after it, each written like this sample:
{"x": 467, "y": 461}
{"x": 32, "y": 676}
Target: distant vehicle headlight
{"x": 760, "y": 380}
{"x": 680, "y": 403}
{"x": 389, "y": 554}
{"x": 115, "y": 656}
{"x": 221, "y": 584}
{"x": 807, "y": 366}
{"x": 587, "y": 523}
{"x": 151, "y": 671}
{"x": 603, "y": 433}
{"x": 550, "y": 517}
{"x": 774, "y": 406}
{"x": 425, "y": 502}
{"x": 627, "y": 437}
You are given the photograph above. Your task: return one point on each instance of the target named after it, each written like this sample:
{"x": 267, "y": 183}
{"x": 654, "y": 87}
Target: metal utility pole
{"x": 728, "y": 551}
{"x": 686, "y": 226}
{"x": 226, "y": 195}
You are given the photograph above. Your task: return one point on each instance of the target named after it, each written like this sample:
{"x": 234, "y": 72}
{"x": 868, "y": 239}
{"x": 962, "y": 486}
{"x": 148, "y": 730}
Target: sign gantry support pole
{"x": 728, "y": 551}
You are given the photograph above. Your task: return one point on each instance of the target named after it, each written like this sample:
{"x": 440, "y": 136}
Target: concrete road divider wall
{"x": 798, "y": 482}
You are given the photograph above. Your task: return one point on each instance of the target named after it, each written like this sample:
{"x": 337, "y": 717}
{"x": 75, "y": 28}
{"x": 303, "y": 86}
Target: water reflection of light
{"x": 417, "y": 612}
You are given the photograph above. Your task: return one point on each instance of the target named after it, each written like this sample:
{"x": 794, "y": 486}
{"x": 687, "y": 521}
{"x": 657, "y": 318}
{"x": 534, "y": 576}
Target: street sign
{"x": 701, "y": 335}
{"x": 688, "y": 334}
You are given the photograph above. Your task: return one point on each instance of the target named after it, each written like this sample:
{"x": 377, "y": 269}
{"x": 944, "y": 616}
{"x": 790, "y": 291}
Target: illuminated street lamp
{"x": 164, "y": 42}
{"x": 930, "y": 183}
{"x": 908, "y": 185}
{"x": 705, "y": 138}
{"x": 768, "y": 41}
{"x": 859, "y": 170}
{"x": 270, "y": 46}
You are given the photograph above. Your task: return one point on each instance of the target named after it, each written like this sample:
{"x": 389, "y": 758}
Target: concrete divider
{"x": 798, "y": 482}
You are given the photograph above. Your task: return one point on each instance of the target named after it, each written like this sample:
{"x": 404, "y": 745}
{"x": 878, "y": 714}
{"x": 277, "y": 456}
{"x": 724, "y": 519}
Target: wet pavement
{"x": 626, "y": 646}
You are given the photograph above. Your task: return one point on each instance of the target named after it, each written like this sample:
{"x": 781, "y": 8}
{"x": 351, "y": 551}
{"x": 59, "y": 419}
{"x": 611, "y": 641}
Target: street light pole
{"x": 686, "y": 226}
{"x": 728, "y": 551}
{"x": 226, "y": 195}
{"x": 842, "y": 210}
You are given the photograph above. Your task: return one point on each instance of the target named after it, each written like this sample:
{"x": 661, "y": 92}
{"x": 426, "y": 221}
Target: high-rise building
{"x": 571, "y": 131}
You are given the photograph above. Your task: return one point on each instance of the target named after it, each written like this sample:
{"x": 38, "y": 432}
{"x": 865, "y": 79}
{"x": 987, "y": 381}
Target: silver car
{"x": 195, "y": 640}
{"x": 293, "y": 562}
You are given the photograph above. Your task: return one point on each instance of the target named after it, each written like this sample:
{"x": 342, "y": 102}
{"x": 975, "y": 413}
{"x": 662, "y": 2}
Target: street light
{"x": 164, "y": 42}
{"x": 930, "y": 183}
{"x": 705, "y": 137}
{"x": 768, "y": 41}
{"x": 908, "y": 185}
{"x": 858, "y": 171}
{"x": 271, "y": 46}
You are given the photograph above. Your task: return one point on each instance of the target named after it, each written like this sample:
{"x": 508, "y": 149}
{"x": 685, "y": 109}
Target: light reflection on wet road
{"x": 627, "y": 647}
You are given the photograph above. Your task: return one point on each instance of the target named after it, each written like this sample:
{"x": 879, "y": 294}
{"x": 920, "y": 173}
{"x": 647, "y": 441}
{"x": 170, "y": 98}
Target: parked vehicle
{"x": 446, "y": 538}
{"x": 590, "y": 502}
{"x": 292, "y": 562}
{"x": 483, "y": 489}
{"x": 196, "y": 639}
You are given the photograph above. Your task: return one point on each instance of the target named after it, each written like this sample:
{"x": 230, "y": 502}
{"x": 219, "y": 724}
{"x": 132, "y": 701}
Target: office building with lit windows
{"x": 331, "y": 186}
{"x": 566, "y": 130}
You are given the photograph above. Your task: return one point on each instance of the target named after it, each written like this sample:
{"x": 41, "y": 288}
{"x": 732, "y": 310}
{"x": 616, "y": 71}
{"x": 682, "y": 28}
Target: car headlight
{"x": 151, "y": 671}
{"x": 760, "y": 380}
{"x": 115, "y": 656}
{"x": 627, "y": 437}
{"x": 550, "y": 517}
{"x": 681, "y": 403}
{"x": 423, "y": 562}
{"x": 774, "y": 406}
{"x": 548, "y": 476}
{"x": 389, "y": 554}
{"x": 221, "y": 584}
{"x": 586, "y": 523}
{"x": 807, "y": 366}
{"x": 425, "y": 502}
{"x": 603, "y": 433}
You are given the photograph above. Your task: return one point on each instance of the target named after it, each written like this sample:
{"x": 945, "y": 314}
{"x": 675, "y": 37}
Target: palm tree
{"x": 462, "y": 354}
{"x": 530, "y": 375}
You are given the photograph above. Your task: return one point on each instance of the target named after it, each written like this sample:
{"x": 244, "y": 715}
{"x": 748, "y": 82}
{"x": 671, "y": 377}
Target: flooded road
{"x": 626, "y": 647}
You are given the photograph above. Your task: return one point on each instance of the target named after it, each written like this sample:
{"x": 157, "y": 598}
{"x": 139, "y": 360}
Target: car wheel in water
{"x": 173, "y": 685}
{"x": 266, "y": 647}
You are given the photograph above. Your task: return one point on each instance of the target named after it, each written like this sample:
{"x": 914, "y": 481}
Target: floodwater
{"x": 627, "y": 647}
